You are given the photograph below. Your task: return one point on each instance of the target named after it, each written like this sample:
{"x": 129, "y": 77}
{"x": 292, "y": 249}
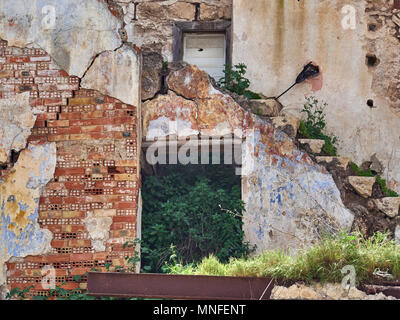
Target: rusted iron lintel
{"x": 182, "y": 287}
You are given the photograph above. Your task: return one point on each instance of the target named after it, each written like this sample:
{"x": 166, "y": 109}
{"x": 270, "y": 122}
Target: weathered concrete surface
{"x": 290, "y": 200}
{"x": 16, "y": 122}
{"x": 72, "y": 32}
{"x": 117, "y": 74}
{"x": 285, "y": 35}
{"x": 20, "y": 234}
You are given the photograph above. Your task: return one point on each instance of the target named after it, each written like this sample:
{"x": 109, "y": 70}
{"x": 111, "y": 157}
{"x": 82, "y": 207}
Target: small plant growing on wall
{"x": 313, "y": 126}
{"x": 235, "y": 81}
{"x": 379, "y": 180}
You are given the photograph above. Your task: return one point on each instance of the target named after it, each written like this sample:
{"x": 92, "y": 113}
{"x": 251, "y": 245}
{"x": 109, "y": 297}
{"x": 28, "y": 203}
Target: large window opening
{"x": 190, "y": 211}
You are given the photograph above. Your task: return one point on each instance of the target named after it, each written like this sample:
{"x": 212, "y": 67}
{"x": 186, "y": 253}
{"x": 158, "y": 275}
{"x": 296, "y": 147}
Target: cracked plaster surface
{"x": 20, "y": 233}
{"x": 72, "y": 32}
{"x": 16, "y": 122}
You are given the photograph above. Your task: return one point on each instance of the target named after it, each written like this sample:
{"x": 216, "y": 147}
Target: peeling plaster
{"x": 116, "y": 73}
{"x": 20, "y": 234}
{"x": 99, "y": 230}
{"x": 290, "y": 201}
{"x": 72, "y": 32}
{"x": 16, "y": 122}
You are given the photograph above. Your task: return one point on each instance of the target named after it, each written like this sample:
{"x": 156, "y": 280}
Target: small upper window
{"x": 207, "y": 51}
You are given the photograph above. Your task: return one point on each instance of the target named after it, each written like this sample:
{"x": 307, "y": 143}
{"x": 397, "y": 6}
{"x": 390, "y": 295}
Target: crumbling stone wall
{"x": 81, "y": 79}
{"x": 290, "y": 200}
{"x": 149, "y": 24}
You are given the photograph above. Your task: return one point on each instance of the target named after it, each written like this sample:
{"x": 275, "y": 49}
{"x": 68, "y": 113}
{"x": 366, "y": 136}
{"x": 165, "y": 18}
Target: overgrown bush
{"x": 195, "y": 209}
{"x": 312, "y": 127}
{"x": 235, "y": 81}
{"x": 322, "y": 262}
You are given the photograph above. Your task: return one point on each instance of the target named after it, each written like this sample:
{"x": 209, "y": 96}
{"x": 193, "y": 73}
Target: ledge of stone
{"x": 288, "y": 124}
{"x": 362, "y": 185}
{"x": 315, "y": 145}
{"x": 341, "y": 161}
{"x": 389, "y": 206}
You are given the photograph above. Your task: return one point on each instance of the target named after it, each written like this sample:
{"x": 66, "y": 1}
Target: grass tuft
{"x": 322, "y": 262}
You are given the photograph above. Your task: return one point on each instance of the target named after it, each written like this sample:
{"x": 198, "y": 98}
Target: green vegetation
{"x": 314, "y": 124}
{"x": 59, "y": 293}
{"x": 17, "y": 292}
{"x": 388, "y": 192}
{"x": 322, "y": 262}
{"x": 235, "y": 81}
{"x": 368, "y": 173}
{"x": 191, "y": 211}
{"x": 359, "y": 172}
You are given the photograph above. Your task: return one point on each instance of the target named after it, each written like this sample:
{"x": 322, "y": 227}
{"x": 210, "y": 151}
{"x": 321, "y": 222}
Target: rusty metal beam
{"x": 182, "y": 287}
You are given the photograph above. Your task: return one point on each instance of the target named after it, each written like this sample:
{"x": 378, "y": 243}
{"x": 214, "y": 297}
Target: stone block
{"x": 265, "y": 108}
{"x": 389, "y": 206}
{"x": 288, "y": 124}
{"x": 362, "y": 185}
{"x": 342, "y": 162}
{"x": 315, "y": 145}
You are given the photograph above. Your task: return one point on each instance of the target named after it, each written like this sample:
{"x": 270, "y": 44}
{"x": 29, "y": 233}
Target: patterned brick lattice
{"x": 96, "y": 169}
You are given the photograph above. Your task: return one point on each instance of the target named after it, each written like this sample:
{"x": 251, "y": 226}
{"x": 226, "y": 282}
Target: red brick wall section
{"x": 96, "y": 168}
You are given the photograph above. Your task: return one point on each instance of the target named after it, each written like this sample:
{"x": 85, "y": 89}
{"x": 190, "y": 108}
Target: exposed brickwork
{"x": 96, "y": 169}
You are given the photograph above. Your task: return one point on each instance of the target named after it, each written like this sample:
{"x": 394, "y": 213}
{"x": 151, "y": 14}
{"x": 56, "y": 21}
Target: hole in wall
{"x": 371, "y": 60}
{"x": 370, "y": 103}
{"x": 372, "y": 27}
{"x": 14, "y": 156}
